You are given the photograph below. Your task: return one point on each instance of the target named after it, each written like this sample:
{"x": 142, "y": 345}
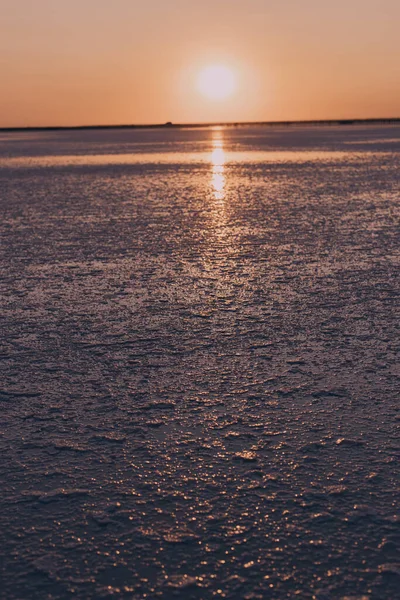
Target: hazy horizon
{"x": 90, "y": 63}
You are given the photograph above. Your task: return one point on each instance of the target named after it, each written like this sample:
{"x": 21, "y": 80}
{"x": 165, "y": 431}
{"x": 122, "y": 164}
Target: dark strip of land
{"x": 170, "y": 125}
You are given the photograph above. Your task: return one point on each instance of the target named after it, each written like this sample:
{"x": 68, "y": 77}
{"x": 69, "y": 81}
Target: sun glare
{"x": 217, "y": 82}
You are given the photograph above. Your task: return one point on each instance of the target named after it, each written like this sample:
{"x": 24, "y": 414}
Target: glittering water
{"x": 199, "y": 363}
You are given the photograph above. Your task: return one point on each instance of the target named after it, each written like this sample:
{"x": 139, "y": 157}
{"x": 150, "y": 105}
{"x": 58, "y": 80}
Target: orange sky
{"x": 129, "y": 61}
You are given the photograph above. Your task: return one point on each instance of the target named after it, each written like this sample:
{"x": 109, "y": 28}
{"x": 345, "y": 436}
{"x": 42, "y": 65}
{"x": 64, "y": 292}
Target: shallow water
{"x": 199, "y": 363}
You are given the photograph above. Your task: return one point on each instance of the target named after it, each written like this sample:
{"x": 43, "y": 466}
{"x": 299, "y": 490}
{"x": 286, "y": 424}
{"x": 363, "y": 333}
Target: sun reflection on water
{"x": 218, "y": 179}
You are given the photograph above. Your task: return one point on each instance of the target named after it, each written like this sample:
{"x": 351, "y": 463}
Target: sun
{"x": 217, "y": 82}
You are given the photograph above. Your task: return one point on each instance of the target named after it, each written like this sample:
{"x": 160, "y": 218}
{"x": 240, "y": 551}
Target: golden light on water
{"x": 218, "y": 167}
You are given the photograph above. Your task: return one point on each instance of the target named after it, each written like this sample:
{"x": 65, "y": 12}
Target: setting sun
{"x": 217, "y": 82}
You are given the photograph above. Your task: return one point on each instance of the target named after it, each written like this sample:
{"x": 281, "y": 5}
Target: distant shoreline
{"x": 170, "y": 125}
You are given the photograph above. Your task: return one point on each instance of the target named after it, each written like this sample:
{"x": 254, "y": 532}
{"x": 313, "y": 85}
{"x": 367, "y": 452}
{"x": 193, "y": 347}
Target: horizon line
{"x": 171, "y": 125}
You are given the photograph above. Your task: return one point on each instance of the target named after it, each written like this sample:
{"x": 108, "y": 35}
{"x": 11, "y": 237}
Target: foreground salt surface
{"x": 198, "y": 367}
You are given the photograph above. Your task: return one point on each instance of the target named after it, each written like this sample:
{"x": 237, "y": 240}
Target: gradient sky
{"x": 129, "y": 61}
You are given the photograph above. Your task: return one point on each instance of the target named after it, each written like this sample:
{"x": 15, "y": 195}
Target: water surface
{"x": 199, "y": 363}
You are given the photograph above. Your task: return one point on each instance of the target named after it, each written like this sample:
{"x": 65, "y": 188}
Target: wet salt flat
{"x": 199, "y": 363}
